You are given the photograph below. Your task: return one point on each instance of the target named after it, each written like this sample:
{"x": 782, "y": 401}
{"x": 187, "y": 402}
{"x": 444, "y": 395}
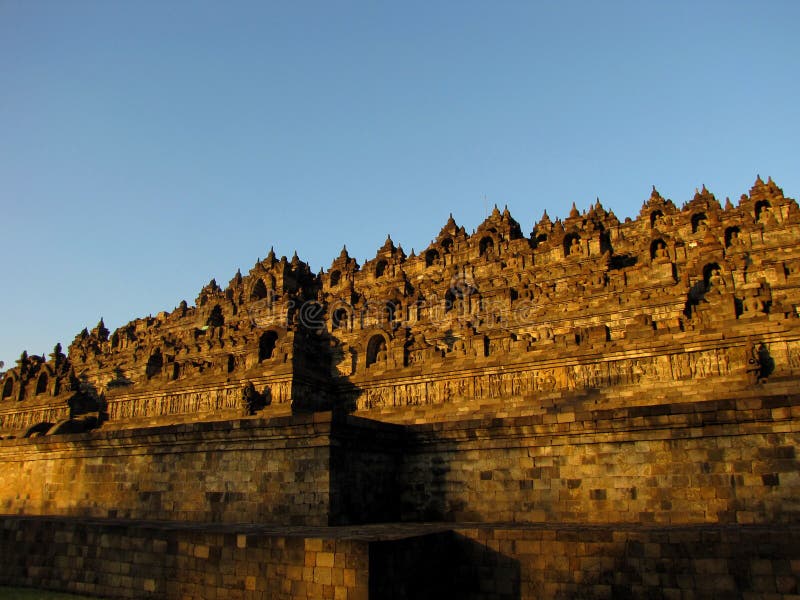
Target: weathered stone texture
{"x": 495, "y": 318}
{"x": 707, "y": 462}
{"x": 141, "y": 560}
{"x": 276, "y": 472}
{"x": 599, "y": 409}
{"x": 156, "y": 560}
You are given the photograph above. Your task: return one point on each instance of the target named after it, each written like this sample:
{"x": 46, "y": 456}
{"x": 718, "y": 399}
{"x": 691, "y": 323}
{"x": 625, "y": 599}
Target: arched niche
{"x": 340, "y": 318}
{"x": 431, "y": 257}
{"x": 655, "y": 218}
{"x": 450, "y": 298}
{"x": 486, "y": 246}
{"x": 712, "y": 273}
{"x": 390, "y": 310}
{"x": 335, "y": 277}
{"x": 658, "y": 249}
{"x": 259, "y": 290}
{"x": 447, "y": 245}
{"x": 8, "y": 388}
{"x": 266, "y": 345}
{"x": 762, "y": 208}
{"x": 216, "y": 318}
{"x": 154, "y": 364}
{"x": 732, "y": 236}
{"x": 572, "y": 245}
{"x": 380, "y": 268}
{"x": 699, "y": 222}
{"x": 41, "y": 384}
{"x": 377, "y": 349}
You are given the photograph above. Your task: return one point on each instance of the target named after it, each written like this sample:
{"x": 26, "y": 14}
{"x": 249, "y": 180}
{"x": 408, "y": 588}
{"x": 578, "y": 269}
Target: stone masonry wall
{"x": 366, "y": 459}
{"x": 123, "y": 560}
{"x": 726, "y": 461}
{"x": 720, "y": 461}
{"x": 171, "y": 561}
{"x": 232, "y": 471}
{"x": 560, "y": 562}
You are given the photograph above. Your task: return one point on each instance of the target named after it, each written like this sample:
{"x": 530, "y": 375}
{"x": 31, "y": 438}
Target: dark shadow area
{"x": 621, "y": 261}
{"x": 440, "y": 566}
{"x": 766, "y": 362}
{"x": 365, "y": 464}
{"x": 719, "y": 562}
{"x": 695, "y": 296}
{"x": 426, "y": 494}
{"x": 38, "y": 429}
{"x": 80, "y": 424}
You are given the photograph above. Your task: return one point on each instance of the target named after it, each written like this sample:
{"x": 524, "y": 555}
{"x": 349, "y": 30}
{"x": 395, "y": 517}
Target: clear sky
{"x": 146, "y": 147}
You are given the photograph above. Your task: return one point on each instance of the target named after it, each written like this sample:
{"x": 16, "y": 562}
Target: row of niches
{"x": 389, "y": 347}
{"x": 659, "y": 232}
{"x": 470, "y": 291}
{"x": 520, "y": 306}
{"x": 269, "y": 349}
{"x": 387, "y": 350}
{"x": 661, "y": 245}
{"x": 162, "y": 364}
{"x": 377, "y": 350}
{"x": 226, "y": 325}
{"x": 265, "y": 289}
{"x": 37, "y": 377}
{"x": 592, "y": 232}
{"x": 283, "y": 289}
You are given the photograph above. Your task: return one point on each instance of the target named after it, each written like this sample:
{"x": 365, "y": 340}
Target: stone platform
{"x": 161, "y": 559}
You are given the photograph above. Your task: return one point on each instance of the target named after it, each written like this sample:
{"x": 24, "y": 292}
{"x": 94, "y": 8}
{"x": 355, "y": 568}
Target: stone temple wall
{"x": 274, "y": 472}
{"x": 702, "y": 292}
{"x": 125, "y": 560}
{"x": 598, "y": 409}
{"x": 723, "y": 462}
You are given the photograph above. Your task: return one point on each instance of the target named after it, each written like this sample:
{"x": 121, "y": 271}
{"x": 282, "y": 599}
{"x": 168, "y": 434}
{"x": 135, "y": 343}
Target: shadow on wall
{"x": 427, "y": 492}
{"x": 365, "y": 461}
{"x": 378, "y": 475}
{"x": 440, "y": 565}
{"x": 707, "y": 562}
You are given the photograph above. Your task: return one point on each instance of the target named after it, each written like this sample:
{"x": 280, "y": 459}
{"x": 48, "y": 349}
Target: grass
{"x": 12, "y": 593}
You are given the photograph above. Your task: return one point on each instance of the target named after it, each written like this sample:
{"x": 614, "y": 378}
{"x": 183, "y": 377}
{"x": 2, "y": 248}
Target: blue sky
{"x": 146, "y": 146}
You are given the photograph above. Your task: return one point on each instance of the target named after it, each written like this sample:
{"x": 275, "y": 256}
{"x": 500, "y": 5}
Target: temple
{"x": 636, "y": 378}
